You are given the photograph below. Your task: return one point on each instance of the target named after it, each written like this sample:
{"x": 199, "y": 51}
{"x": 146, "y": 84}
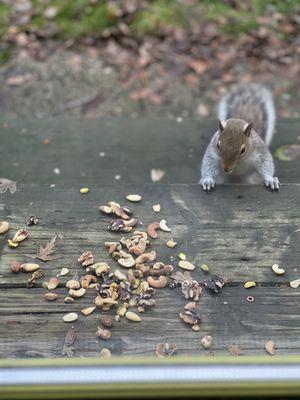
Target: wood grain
{"x": 239, "y": 231}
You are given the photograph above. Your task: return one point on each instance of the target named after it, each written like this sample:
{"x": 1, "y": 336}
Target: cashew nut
{"x": 4, "y": 227}
{"x": 126, "y": 262}
{"x": 146, "y": 257}
{"x": 158, "y": 283}
{"x": 277, "y": 270}
{"x": 163, "y": 226}
{"x": 151, "y": 229}
{"x": 87, "y": 279}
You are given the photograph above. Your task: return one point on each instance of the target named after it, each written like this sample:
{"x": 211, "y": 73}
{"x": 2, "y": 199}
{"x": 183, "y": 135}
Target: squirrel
{"x": 239, "y": 150}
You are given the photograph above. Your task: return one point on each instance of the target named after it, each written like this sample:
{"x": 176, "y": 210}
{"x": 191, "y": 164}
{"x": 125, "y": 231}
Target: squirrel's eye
{"x": 218, "y": 144}
{"x": 243, "y": 149}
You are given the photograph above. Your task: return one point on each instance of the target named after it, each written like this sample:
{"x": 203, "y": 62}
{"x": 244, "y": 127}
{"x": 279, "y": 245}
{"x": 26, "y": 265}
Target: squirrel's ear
{"x": 247, "y": 129}
{"x": 221, "y": 125}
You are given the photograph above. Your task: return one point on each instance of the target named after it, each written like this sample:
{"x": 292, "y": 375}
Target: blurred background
{"x": 171, "y": 58}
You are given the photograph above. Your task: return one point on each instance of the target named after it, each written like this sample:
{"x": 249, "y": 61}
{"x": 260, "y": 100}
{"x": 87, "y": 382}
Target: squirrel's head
{"x": 233, "y": 142}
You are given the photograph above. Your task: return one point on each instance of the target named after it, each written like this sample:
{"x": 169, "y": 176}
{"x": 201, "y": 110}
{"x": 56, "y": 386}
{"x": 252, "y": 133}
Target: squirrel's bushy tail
{"x": 252, "y": 103}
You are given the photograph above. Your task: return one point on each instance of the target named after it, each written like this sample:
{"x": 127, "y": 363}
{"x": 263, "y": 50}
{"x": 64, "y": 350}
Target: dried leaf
{"x": 7, "y": 184}
{"x": 44, "y": 252}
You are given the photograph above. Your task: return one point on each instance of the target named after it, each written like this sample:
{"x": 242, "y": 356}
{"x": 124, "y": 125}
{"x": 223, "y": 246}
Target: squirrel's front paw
{"x": 207, "y": 183}
{"x": 272, "y": 183}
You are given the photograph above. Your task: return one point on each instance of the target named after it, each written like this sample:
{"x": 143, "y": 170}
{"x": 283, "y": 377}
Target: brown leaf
{"x": 44, "y": 252}
{"x": 69, "y": 341}
{"x": 199, "y": 66}
{"x": 7, "y": 184}
{"x": 234, "y": 350}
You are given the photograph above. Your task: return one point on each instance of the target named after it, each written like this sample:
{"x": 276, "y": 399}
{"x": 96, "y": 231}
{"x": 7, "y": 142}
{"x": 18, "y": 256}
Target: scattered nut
{"x": 32, "y": 221}
{"x": 151, "y": 229}
{"x": 86, "y": 259}
{"x": 170, "y": 243}
{"x": 134, "y": 198}
{"x": 12, "y": 244}
{"x": 72, "y": 284}
{"x": 294, "y": 284}
{"x": 77, "y": 293}
{"x": 20, "y": 235}
{"x": 103, "y": 333}
{"x": 234, "y": 350}
{"x": 277, "y": 270}
{"x": 51, "y": 296}
{"x": 196, "y": 328}
{"x": 127, "y": 262}
{"x": 70, "y": 317}
{"x": 158, "y": 283}
{"x": 86, "y": 280}
{"x": 163, "y": 226}
{"x": 146, "y": 257}
{"x": 106, "y": 321}
{"x": 156, "y": 208}
{"x": 84, "y": 190}
{"x": 29, "y": 267}
{"x": 165, "y": 349}
{"x": 249, "y": 284}
{"x": 53, "y": 283}
{"x": 206, "y": 341}
{"x": 64, "y": 271}
{"x": 15, "y": 266}
{"x": 105, "y": 353}
{"x": 4, "y": 227}
{"x": 270, "y": 347}
{"x": 204, "y": 267}
{"x": 132, "y": 316}
{"x": 186, "y": 265}
{"x": 68, "y": 300}
{"x": 182, "y": 256}
{"x": 88, "y": 310}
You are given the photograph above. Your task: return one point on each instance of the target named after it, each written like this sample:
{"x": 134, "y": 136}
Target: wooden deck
{"x": 239, "y": 231}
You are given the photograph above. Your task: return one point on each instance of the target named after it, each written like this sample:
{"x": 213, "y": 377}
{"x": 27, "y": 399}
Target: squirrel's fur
{"x": 240, "y": 146}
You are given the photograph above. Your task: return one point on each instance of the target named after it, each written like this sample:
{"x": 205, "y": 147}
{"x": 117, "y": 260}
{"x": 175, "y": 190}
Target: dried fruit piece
{"x": 249, "y": 284}
{"x": 103, "y": 333}
{"x": 88, "y": 310}
{"x": 206, "y": 341}
{"x": 15, "y": 266}
{"x": 29, "y": 267}
{"x": 4, "y": 227}
{"x": 170, "y": 243}
{"x": 70, "y": 317}
{"x": 182, "y": 256}
{"x": 51, "y": 296}
{"x": 165, "y": 350}
{"x": 134, "y": 198}
{"x": 105, "y": 353}
{"x": 277, "y": 270}
{"x": 158, "y": 283}
{"x": 295, "y": 283}
{"x": 53, "y": 283}
{"x": 156, "y": 208}
{"x": 204, "y": 267}
{"x": 151, "y": 229}
{"x": 20, "y": 235}
{"x": 106, "y": 321}
{"x": 186, "y": 265}
{"x": 132, "y": 316}
{"x": 270, "y": 347}
{"x": 64, "y": 271}
{"x": 163, "y": 226}
{"x": 84, "y": 190}
{"x": 234, "y": 350}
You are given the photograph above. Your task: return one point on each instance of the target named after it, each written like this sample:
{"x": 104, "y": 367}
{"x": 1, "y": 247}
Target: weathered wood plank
{"x": 32, "y": 327}
{"x": 132, "y": 147}
{"x": 239, "y": 231}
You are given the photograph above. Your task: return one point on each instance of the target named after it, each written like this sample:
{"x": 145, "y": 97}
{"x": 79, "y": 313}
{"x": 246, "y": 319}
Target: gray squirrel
{"x": 239, "y": 150}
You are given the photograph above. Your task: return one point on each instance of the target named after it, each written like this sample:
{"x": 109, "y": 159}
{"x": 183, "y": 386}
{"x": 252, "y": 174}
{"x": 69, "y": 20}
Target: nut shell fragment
{"x": 156, "y": 208}
{"x": 53, "y": 283}
{"x": 88, "y": 310}
{"x": 170, "y": 243}
{"x": 64, "y": 271}
{"x": 20, "y": 235}
{"x": 270, "y": 347}
{"x": 163, "y": 226}
{"x": 206, "y": 341}
{"x": 70, "y": 317}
